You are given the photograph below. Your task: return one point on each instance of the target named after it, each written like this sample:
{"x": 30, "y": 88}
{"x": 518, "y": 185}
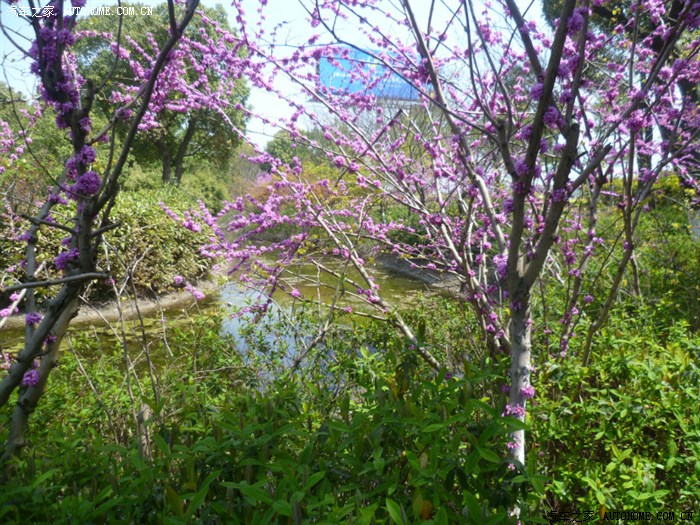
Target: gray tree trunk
{"x": 520, "y": 336}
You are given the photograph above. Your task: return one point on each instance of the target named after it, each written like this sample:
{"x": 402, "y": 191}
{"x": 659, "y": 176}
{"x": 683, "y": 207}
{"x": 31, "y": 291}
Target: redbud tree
{"x": 81, "y": 196}
{"x": 499, "y": 163}
{"x": 197, "y": 112}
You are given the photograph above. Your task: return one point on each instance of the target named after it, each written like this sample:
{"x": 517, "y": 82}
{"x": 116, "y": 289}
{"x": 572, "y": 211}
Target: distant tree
{"x": 308, "y": 147}
{"x": 81, "y": 195}
{"x": 181, "y": 126}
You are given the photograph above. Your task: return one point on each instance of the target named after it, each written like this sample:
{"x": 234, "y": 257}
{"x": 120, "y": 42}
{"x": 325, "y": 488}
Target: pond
{"x": 396, "y": 288}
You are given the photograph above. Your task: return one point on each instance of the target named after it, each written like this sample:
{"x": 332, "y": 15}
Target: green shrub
{"x": 151, "y": 247}
{"x": 389, "y": 444}
{"x": 625, "y": 431}
{"x": 148, "y": 247}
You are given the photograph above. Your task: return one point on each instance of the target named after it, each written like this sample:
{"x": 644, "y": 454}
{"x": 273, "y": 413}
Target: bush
{"x": 202, "y": 181}
{"x": 391, "y": 444}
{"x": 147, "y": 249}
{"x": 150, "y": 247}
{"x": 624, "y": 431}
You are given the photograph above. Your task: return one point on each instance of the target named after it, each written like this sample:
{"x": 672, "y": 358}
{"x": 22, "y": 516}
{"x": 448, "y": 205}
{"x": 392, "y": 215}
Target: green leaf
{"x": 282, "y": 507}
{"x": 394, "y": 511}
{"x": 440, "y": 517}
{"x": 43, "y": 477}
{"x": 473, "y": 507}
{"x": 538, "y": 483}
{"x": 488, "y": 455}
{"x": 112, "y": 502}
{"x": 252, "y": 493}
{"x": 174, "y": 500}
{"x": 497, "y": 518}
{"x": 600, "y": 497}
{"x": 433, "y": 428}
{"x": 313, "y": 479}
{"x": 201, "y": 494}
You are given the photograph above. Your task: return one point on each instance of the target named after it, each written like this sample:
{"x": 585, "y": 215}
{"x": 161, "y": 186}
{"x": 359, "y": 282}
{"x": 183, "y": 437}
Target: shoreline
{"x": 146, "y": 307}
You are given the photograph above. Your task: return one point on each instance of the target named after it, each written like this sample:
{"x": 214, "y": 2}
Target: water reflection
{"x": 151, "y": 331}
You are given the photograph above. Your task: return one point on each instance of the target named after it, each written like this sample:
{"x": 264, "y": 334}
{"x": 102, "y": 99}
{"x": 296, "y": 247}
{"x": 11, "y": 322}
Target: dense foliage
{"x": 363, "y": 434}
{"x": 183, "y": 128}
{"x": 546, "y": 178}
{"x": 143, "y": 254}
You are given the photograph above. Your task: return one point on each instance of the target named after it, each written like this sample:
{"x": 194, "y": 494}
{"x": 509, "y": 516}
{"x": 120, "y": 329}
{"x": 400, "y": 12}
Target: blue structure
{"x": 338, "y": 75}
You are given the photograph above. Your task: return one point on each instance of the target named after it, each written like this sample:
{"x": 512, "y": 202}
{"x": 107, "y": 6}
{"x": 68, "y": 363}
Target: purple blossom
{"x": 564, "y": 70}
{"x": 501, "y": 262}
{"x": 435, "y": 219}
{"x": 525, "y": 132}
{"x": 528, "y": 392}
{"x": 560, "y": 195}
{"x": 33, "y": 318}
{"x": 87, "y": 184}
{"x": 295, "y": 293}
{"x": 575, "y": 22}
{"x": 30, "y": 378}
{"x": 85, "y": 125}
{"x": 636, "y": 121}
{"x": 65, "y": 37}
{"x": 197, "y": 294}
{"x": 87, "y": 155}
{"x": 178, "y": 280}
{"x": 515, "y": 410}
{"x": 566, "y": 96}
{"x": 552, "y": 118}
{"x": 192, "y": 226}
{"x": 537, "y": 91}
{"x": 5, "y": 312}
{"x": 521, "y": 167}
{"x": 64, "y": 258}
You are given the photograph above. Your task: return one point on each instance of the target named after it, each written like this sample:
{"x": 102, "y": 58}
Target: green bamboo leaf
{"x": 395, "y": 512}
{"x": 174, "y": 500}
{"x": 282, "y": 507}
{"x": 440, "y": 517}
{"x": 434, "y": 427}
{"x": 201, "y": 494}
{"x": 473, "y": 507}
{"x": 489, "y": 455}
{"x": 313, "y": 479}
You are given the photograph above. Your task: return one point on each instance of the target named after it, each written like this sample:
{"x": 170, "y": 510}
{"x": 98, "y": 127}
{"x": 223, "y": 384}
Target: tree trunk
{"x": 182, "y": 150}
{"x": 520, "y": 388}
{"x": 167, "y": 163}
{"x": 29, "y": 397}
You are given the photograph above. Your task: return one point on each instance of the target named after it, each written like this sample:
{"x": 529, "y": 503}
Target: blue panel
{"x": 338, "y": 76}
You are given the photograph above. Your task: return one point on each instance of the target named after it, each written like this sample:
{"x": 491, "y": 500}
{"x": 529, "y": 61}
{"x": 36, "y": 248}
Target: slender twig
{"x": 53, "y": 282}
